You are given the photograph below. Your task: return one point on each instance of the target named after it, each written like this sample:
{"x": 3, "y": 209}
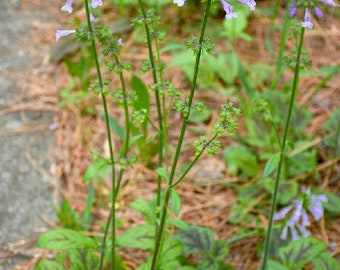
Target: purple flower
{"x": 250, "y": 3}
{"x": 299, "y": 217}
{"x": 315, "y": 203}
{"x": 120, "y": 42}
{"x": 318, "y": 12}
{"x": 92, "y": 18}
{"x": 307, "y": 23}
{"x": 63, "y": 33}
{"x": 292, "y": 9}
{"x": 228, "y": 10}
{"x": 68, "y": 6}
{"x": 330, "y": 2}
{"x": 179, "y": 3}
{"x": 96, "y": 3}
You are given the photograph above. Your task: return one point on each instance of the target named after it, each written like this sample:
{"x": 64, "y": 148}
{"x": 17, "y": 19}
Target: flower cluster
{"x": 307, "y": 22}
{"x": 228, "y": 8}
{"x": 299, "y": 218}
{"x": 69, "y": 9}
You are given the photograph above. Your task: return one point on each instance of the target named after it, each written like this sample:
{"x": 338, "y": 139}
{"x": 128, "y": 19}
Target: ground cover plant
{"x": 161, "y": 125}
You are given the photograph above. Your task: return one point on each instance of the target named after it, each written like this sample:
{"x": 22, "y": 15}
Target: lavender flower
{"x": 68, "y": 6}
{"x": 92, "y": 18}
{"x": 96, "y": 3}
{"x": 299, "y": 217}
{"x": 228, "y": 10}
{"x": 315, "y": 203}
{"x": 63, "y": 33}
{"x": 307, "y": 23}
{"x": 250, "y": 3}
{"x": 179, "y": 3}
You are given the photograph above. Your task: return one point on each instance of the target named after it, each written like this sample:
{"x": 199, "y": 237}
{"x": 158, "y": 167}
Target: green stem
{"x": 284, "y": 141}
{"x": 158, "y": 101}
{"x": 283, "y": 41}
{"x": 160, "y": 231}
{"x": 115, "y": 189}
{"x": 193, "y": 162}
{"x": 107, "y": 124}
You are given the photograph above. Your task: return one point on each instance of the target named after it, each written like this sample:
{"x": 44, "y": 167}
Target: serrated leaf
{"x": 48, "y": 265}
{"x": 273, "y": 265}
{"x": 220, "y": 250}
{"x": 271, "y": 164}
{"x": 176, "y": 202}
{"x": 138, "y": 237}
{"x": 65, "y": 239}
{"x": 83, "y": 259}
{"x": 172, "y": 249}
{"x": 196, "y": 239}
{"x": 326, "y": 262}
{"x": 299, "y": 253}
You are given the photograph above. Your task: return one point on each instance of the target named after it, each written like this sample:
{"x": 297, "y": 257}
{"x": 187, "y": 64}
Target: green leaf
{"x": 65, "y": 239}
{"x": 117, "y": 128}
{"x": 176, "y": 202}
{"x": 333, "y": 126}
{"x": 83, "y": 259}
{"x": 97, "y": 170}
{"x": 220, "y": 250}
{"x": 162, "y": 172}
{"x": 86, "y": 219}
{"x": 273, "y": 265}
{"x": 271, "y": 164}
{"x": 172, "y": 249}
{"x": 196, "y": 239}
{"x": 138, "y": 237}
{"x": 333, "y": 203}
{"x": 143, "y": 99}
{"x": 238, "y": 158}
{"x": 326, "y": 262}
{"x": 135, "y": 139}
{"x": 48, "y": 265}
{"x": 286, "y": 191}
{"x": 298, "y": 253}
{"x": 148, "y": 210}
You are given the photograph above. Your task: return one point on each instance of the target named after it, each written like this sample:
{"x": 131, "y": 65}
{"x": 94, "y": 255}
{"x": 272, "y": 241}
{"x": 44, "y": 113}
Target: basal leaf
{"x": 239, "y": 158}
{"x": 138, "y": 237}
{"x": 273, "y": 265}
{"x": 299, "y": 253}
{"x": 196, "y": 239}
{"x": 172, "y": 249}
{"x": 326, "y": 262}
{"x": 65, "y": 239}
{"x": 48, "y": 265}
{"x": 83, "y": 259}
